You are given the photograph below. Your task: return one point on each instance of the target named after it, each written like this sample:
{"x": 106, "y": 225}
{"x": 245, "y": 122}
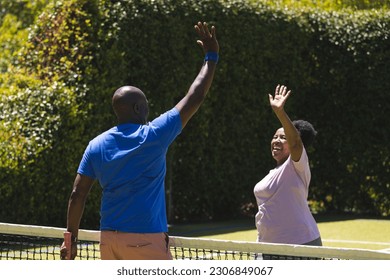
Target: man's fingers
{"x": 203, "y": 30}
{"x": 213, "y": 34}
{"x": 198, "y": 28}
{"x": 63, "y": 253}
{"x": 206, "y": 29}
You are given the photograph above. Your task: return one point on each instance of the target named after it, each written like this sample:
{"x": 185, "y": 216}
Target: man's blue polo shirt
{"x": 129, "y": 161}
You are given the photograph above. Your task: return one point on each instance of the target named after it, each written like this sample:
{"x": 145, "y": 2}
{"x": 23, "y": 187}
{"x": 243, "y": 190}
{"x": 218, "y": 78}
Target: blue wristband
{"x": 212, "y": 56}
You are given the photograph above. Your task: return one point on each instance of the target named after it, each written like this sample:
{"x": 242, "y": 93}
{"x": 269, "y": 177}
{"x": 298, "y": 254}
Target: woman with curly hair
{"x": 283, "y": 213}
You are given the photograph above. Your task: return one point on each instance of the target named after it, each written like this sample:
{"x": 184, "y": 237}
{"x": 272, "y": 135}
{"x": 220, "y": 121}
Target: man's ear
{"x": 136, "y": 108}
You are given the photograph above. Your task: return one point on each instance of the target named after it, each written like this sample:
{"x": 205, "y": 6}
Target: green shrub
{"x": 57, "y": 97}
{"x": 330, "y": 5}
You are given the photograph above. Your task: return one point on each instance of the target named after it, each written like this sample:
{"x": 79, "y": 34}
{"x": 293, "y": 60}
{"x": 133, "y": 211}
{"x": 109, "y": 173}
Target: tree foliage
{"x": 330, "y": 5}
{"x": 57, "y": 78}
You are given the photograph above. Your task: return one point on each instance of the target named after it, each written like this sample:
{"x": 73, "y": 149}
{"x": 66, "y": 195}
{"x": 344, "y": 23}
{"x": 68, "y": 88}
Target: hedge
{"x": 79, "y": 52}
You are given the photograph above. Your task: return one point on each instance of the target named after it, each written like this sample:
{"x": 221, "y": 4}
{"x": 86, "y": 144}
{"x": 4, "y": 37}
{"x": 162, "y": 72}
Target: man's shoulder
{"x": 101, "y": 137}
{"x": 172, "y": 115}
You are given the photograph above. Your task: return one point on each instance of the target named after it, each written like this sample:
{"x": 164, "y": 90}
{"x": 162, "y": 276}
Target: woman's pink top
{"x": 284, "y": 215}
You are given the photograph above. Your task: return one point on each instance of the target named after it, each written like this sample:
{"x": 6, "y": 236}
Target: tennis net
{"x": 27, "y": 242}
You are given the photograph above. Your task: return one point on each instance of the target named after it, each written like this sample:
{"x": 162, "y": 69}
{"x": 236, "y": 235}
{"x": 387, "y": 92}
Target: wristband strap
{"x": 212, "y": 56}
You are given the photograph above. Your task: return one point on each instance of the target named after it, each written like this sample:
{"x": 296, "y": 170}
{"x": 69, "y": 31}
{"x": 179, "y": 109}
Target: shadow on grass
{"x": 224, "y": 227}
{"x": 339, "y": 217}
{"x": 211, "y": 228}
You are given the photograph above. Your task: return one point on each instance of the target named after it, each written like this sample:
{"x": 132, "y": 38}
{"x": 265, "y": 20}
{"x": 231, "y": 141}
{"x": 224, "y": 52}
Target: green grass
{"x": 336, "y": 231}
{"x": 375, "y": 233}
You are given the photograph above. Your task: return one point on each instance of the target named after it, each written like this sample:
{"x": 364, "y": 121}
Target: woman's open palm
{"x": 279, "y": 99}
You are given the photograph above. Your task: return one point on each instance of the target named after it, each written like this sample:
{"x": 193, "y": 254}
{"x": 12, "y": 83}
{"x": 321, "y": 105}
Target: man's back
{"x": 129, "y": 162}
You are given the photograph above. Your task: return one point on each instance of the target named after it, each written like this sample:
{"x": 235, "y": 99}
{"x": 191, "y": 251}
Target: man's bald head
{"x": 130, "y": 105}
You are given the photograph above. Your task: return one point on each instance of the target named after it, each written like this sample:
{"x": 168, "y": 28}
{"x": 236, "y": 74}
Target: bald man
{"x": 129, "y": 161}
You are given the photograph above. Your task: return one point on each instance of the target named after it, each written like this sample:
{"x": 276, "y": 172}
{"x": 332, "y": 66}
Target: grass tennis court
{"x": 336, "y": 231}
{"x": 30, "y": 242}
{"x": 344, "y": 237}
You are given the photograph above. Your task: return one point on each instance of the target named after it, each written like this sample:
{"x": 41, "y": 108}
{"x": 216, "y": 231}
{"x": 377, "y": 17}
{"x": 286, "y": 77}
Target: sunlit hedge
{"x": 56, "y": 97}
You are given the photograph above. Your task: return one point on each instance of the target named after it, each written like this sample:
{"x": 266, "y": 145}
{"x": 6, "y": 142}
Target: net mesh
{"x": 24, "y": 242}
{"x": 24, "y": 247}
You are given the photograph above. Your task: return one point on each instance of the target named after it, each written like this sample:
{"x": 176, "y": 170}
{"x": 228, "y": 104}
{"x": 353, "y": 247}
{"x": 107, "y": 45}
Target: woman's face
{"x": 279, "y": 146}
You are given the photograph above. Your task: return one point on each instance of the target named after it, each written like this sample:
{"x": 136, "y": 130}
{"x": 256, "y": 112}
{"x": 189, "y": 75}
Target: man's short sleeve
{"x": 85, "y": 167}
{"x": 167, "y": 126}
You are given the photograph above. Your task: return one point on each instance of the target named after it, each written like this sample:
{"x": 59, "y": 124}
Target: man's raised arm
{"x": 199, "y": 88}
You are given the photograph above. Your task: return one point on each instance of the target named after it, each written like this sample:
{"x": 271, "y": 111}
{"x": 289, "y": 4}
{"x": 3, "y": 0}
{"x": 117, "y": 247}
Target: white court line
{"x": 357, "y": 242}
{"x": 385, "y": 250}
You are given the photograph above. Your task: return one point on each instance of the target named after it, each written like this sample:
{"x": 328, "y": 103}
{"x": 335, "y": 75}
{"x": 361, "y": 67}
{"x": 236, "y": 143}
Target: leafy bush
{"x": 42, "y": 116}
{"x": 56, "y": 96}
{"x": 330, "y": 5}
